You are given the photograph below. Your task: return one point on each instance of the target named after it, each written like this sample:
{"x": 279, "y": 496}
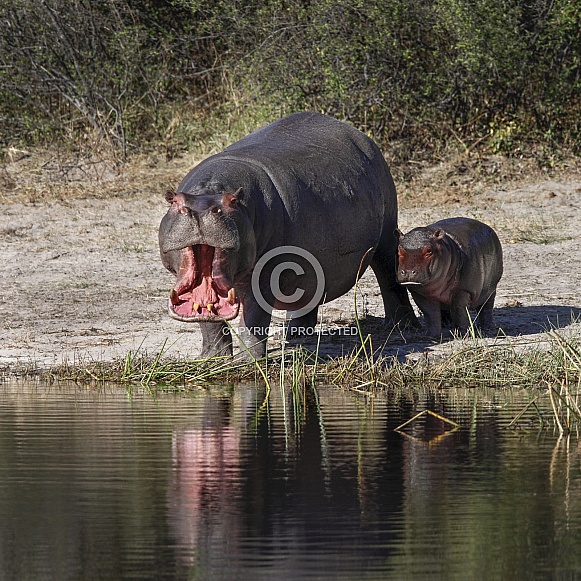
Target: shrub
{"x": 413, "y": 72}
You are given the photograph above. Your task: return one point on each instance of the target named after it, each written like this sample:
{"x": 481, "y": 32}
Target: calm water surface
{"x": 221, "y": 484}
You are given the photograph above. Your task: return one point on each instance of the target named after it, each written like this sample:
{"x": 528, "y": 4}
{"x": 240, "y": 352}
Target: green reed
{"x": 472, "y": 362}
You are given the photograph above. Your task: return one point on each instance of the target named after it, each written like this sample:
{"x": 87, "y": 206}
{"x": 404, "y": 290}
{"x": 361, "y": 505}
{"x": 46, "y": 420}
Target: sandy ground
{"x": 81, "y": 279}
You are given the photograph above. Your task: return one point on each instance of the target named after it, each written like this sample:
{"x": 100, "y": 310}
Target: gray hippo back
{"x": 452, "y": 265}
{"x": 284, "y": 218}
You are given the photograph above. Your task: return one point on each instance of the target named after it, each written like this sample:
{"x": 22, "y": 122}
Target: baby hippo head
{"x": 418, "y": 254}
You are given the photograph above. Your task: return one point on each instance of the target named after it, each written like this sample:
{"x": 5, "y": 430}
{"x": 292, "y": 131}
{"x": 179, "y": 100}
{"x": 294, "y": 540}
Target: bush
{"x": 107, "y": 66}
{"x": 422, "y": 71}
{"x": 413, "y": 72}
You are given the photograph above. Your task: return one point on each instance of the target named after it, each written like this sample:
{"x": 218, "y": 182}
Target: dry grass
{"x": 60, "y": 174}
{"x": 475, "y": 363}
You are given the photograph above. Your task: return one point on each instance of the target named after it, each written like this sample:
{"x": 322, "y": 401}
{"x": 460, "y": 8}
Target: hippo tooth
{"x": 232, "y": 296}
{"x": 174, "y": 297}
{"x": 196, "y": 306}
{"x": 210, "y": 307}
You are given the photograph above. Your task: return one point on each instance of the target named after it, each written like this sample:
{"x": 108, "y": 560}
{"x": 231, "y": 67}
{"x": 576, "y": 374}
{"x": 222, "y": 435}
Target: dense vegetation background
{"x": 417, "y": 74}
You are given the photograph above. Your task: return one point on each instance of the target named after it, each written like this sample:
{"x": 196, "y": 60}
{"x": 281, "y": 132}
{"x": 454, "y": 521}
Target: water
{"x": 219, "y": 484}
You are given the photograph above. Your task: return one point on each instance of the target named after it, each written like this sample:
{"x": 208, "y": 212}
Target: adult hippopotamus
{"x": 452, "y": 265}
{"x": 285, "y": 218}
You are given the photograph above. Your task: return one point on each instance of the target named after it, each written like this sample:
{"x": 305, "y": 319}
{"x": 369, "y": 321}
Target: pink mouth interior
{"x": 202, "y": 291}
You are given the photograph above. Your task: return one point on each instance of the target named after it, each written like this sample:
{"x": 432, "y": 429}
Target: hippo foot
{"x": 248, "y": 355}
{"x": 210, "y": 352}
{"x": 252, "y": 348}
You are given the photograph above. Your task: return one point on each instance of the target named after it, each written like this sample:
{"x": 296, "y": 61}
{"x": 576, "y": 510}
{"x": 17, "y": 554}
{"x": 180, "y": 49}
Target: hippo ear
{"x": 169, "y": 195}
{"x": 439, "y": 234}
{"x": 231, "y": 200}
{"x": 238, "y": 195}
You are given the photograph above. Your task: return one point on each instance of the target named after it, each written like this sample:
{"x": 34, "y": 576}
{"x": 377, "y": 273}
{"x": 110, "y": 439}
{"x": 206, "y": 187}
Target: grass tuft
{"x": 474, "y": 363}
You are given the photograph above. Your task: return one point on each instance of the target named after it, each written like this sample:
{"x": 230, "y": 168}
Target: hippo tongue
{"x": 197, "y": 296}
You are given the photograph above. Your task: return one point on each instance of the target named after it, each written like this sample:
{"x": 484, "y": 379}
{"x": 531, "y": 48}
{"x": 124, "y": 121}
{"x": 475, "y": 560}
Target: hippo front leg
{"x": 433, "y": 314}
{"x": 253, "y": 329}
{"x": 216, "y": 339}
{"x": 485, "y": 321}
{"x": 459, "y": 311}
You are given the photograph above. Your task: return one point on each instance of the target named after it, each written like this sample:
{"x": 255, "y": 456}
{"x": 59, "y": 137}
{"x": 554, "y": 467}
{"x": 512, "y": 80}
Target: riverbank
{"x": 82, "y": 282}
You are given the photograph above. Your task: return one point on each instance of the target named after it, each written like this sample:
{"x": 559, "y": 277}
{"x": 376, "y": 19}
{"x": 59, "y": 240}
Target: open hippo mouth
{"x": 203, "y": 291}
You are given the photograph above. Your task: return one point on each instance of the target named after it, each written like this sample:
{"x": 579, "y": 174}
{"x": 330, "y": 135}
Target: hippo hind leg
{"x": 485, "y": 321}
{"x": 396, "y": 302}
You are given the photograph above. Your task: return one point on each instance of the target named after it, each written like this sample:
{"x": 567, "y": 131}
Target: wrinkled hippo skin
{"x": 306, "y": 181}
{"x": 449, "y": 267}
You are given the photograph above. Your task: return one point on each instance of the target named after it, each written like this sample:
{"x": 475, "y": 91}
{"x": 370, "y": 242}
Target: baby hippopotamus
{"x": 452, "y": 265}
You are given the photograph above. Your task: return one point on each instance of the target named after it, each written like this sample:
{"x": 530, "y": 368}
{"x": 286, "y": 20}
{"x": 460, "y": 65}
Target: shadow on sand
{"x": 511, "y": 321}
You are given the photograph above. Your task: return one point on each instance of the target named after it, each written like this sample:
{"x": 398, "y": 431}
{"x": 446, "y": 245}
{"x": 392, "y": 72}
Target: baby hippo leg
{"x": 459, "y": 311}
{"x": 485, "y": 313}
{"x": 433, "y": 314}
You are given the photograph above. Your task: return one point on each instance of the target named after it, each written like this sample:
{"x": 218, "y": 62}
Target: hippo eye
{"x": 216, "y": 210}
